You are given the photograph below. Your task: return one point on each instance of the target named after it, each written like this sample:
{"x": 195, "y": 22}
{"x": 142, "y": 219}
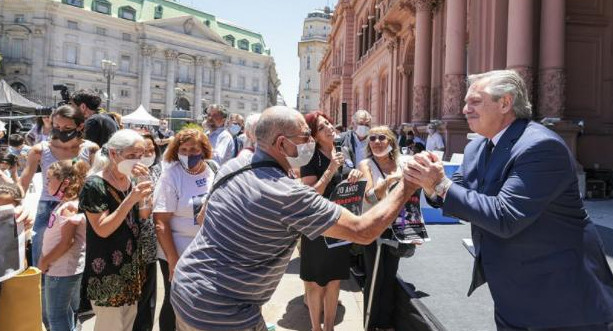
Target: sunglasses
{"x": 375, "y": 137}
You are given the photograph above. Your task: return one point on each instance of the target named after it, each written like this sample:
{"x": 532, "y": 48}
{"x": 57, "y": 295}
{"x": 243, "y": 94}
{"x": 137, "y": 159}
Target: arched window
{"x": 229, "y": 39}
{"x": 159, "y": 11}
{"x": 256, "y": 48}
{"x": 102, "y": 6}
{"x": 127, "y": 13}
{"x": 243, "y": 44}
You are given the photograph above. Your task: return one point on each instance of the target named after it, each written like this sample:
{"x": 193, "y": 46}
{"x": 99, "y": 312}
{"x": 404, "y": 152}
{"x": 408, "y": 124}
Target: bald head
{"x": 276, "y": 121}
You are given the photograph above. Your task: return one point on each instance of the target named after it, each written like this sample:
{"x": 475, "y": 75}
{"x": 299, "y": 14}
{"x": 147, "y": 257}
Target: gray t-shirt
{"x": 238, "y": 257}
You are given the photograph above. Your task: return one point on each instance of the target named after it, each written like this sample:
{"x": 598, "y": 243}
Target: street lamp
{"x": 109, "y": 68}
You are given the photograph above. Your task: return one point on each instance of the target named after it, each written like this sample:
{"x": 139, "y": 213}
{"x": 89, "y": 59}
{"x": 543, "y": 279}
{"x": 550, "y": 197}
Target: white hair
{"x": 360, "y": 113}
{"x": 119, "y": 141}
{"x": 250, "y": 124}
{"x": 501, "y": 82}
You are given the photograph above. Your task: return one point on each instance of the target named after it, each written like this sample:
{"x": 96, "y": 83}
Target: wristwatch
{"x": 441, "y": 188}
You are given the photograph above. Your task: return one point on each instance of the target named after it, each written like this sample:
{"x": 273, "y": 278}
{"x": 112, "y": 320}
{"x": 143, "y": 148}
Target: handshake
{"x": 426, "y": 170}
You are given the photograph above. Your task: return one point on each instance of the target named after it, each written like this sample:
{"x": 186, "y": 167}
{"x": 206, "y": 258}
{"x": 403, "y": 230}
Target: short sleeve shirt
{"x": 114, "y": 270}
{"x": 238, "y": 257}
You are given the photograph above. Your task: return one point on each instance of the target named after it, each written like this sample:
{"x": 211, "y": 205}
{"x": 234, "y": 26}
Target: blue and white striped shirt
{"x": 237, "y": 259}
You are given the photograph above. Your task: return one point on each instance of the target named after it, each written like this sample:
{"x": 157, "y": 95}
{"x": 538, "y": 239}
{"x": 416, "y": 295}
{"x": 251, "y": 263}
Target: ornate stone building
{"x": 171, "y": 58}
{"x": 407, "y": 61}
{"x": 311, "y": 49}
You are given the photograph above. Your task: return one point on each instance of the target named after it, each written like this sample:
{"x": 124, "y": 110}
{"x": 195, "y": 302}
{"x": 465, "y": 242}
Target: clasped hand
{"x": 425, "y": 170}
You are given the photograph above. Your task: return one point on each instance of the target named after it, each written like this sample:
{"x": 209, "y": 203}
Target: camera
{"x": 63, "y": 92}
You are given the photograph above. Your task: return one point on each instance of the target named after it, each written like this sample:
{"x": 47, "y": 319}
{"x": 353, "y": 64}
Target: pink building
{"x": 407, "y": 61}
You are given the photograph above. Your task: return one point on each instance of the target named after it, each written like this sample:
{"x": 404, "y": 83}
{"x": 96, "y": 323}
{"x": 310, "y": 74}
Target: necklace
{"x": 118, "y": 183}
{"x": 193, "y": 172}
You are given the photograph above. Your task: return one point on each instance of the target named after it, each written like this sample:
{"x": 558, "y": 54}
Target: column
{"x": 200, "y": 60}
{"x": 171, "y": 64}
{"x": 552, "y": 78}
{"x": 423, "y": 41}
{"x": 392, "y": 47}
{"x": 520, "y": 32}
{"x": 217, "y": 67}
{"x": 454, "y": 82}
{"x": 147, "y": 52}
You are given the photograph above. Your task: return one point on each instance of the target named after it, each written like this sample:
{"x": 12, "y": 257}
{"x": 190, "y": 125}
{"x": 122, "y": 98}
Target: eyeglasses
{"x": 375, "y": 137}
{"x": 304, "y": 134}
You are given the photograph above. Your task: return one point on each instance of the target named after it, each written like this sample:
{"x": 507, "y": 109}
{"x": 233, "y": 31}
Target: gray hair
{"x": 360, "y": 113}
{"x": 501, "y": 82}
{"x": 276, "y": 121}
{"x": 224, "y": 112}
{"x": 119, "y": 141}
{"x": 251, "y": 123}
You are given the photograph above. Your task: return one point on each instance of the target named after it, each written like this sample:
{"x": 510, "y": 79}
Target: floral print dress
{"x": 114, "y": 269}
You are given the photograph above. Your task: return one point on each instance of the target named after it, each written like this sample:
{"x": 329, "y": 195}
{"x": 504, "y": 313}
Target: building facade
{"x": 407, "y": 61}
{"x": 311, "y": 49}
{"x": 172, "y": 59}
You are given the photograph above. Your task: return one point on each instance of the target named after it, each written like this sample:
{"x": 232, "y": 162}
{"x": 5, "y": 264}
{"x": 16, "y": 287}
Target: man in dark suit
{"x": 535, "y": 244}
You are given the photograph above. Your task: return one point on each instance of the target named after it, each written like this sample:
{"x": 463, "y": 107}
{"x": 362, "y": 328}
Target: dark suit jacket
{"x": 535, "y": 244}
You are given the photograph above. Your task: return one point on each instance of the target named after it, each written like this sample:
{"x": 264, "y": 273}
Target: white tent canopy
{"x": 140, "y": 116}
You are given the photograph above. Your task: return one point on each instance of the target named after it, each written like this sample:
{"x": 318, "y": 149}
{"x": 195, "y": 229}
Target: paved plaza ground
{"x": 440, "y": 271}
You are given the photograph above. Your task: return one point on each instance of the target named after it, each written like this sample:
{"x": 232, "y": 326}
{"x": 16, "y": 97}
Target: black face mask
{"x": 64, "y": 136}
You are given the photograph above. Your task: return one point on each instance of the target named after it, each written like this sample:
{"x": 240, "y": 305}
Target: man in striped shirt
{"x": 252, "y": 223}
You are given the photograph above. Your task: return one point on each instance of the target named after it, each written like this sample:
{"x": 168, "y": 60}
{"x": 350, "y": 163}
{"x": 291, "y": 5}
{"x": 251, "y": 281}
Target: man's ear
{"x": 507, "y": 103}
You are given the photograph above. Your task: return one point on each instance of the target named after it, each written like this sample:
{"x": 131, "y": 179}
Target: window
{"x": 308, "y": 64}
{"x": 72, "y": 25}
{"x": 124, "y": 64}
{"x": 257, "y": 48}
{"x": 207, "y": 76}
{"x": 124, "y": 93}
{"x": 254, "y": 107}
{"x": 241, "y": 105}
{"x": 184, "y": 73}
{"x": 99, "y": 55}
{"x": 255, "y": 85}
{"x": 19, "y": 18}
{"x": 242, "y": 62}
{"x": 307, "y": 84}
{"x": 71, "y": 53}
{"x": 127, "y": 13}
{"x": 158, "y": 68}
{"x": 71, "y": 87}
{"x": 76, "y": 3}
{"x": 100, "y": 31}
{"x": 18, "y": 48}
{"x": 102, "y": 6}
{"x": 256, "y": 65}
{"x": 227, "y": 80}
{"x": 241, "y": 82}
{"x": 126, "y": 37}
{"x": 229, "y": 39}
{"x": 207, "y": 23}
{"x": 159, "y": 11}
{"x": 243, "y": 44}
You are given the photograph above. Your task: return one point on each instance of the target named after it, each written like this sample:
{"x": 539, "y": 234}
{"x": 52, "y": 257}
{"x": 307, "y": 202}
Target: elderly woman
{"x": 178, "y": 198}
{"x": 322, "y": 268}
{"x": 381, "y": 171}
{"x": 114, "y": 269}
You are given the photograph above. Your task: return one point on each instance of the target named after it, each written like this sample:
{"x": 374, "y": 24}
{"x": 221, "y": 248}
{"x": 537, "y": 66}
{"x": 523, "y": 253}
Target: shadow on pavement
{"x": 296, "y": 316}
{"x": 293, "y": 267}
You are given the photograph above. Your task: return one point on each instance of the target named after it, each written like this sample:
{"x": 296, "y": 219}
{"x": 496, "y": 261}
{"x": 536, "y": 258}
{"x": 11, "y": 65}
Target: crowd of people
{"x": 221, "y": 209}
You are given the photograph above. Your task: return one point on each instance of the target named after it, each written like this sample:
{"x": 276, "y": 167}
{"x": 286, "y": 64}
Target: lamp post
{"x": 109, "y": 68}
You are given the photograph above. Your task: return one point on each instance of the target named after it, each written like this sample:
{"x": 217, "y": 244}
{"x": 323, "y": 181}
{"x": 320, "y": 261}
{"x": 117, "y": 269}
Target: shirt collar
{"x": 499, "y": 135}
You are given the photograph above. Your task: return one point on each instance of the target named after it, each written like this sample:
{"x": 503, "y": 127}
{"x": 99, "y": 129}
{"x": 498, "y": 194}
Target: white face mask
{"x": 362, "y": 130}
{"x": 305, "y": 153}
{"x": 126, "y": 166}
{"x": 234, "y": 129}
{"x": 148, "y": 161}
{"x": 384, "y": 153}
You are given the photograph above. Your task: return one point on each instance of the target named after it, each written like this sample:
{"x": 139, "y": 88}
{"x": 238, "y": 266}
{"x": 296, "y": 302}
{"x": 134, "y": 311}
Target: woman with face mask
{"x": 178, "y": 199}
{"x": 381, "y": 170}
{"x": 148, "y": 241}
{"x": 66, "y": 143}
{"x": 321, "y": 267}
{"x": 114, "y": 266}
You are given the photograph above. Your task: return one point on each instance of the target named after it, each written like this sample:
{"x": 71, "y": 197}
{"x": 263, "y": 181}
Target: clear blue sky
{"x": 279, "y": 21}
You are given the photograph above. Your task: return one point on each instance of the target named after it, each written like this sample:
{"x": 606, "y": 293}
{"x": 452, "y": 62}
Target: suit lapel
{"x": 501, "y": 153}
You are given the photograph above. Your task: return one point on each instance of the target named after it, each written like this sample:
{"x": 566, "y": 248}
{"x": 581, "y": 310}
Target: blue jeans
{"x": 62, "y": 295}
{"x": 40, "y": 225}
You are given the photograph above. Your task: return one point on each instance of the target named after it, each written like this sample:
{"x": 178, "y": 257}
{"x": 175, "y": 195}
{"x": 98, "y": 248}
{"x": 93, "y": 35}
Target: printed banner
{"x": 409, "y": 227}
{"x": 350, "y": 196}
{"x": 12, "y": 244}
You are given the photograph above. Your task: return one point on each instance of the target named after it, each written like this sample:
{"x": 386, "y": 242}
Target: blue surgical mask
{"x": 234, "y": 129}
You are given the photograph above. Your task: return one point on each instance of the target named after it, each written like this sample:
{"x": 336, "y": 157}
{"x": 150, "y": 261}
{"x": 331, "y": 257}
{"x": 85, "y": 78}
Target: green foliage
{"x": 192, "y": 126}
